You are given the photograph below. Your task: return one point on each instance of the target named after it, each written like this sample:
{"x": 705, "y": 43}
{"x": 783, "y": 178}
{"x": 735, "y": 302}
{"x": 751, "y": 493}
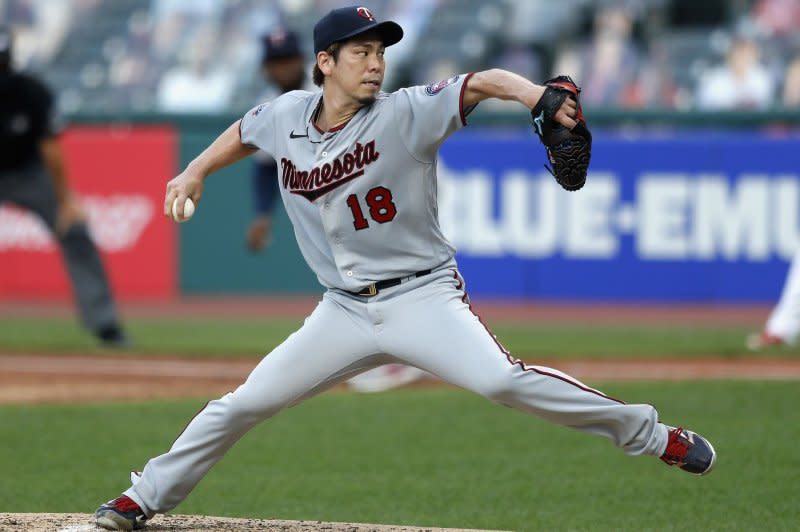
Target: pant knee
{"x": 248, "y": 411}
{"x": 498, "y": 387}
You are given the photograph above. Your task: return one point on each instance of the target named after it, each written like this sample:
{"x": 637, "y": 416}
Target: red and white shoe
{"x": 689, "y": 451}
{"x": 120, "y": 514}
{"x": 763, "y": 340}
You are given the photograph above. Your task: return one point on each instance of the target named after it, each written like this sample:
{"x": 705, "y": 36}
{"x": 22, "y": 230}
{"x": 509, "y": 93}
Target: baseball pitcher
{"x": 357, "y": 174}
{"x": 283, "y": 65}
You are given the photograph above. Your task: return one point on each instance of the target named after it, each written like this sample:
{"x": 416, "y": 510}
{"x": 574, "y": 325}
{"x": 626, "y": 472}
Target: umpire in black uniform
{"x": 32, "y": 176}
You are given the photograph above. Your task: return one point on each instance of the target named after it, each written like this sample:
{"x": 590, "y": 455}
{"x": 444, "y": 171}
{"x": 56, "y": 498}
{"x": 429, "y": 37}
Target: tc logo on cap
{"x": 365, "y": 13}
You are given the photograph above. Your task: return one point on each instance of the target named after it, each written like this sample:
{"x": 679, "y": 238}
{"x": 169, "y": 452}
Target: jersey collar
{"x": 312, "y": 120}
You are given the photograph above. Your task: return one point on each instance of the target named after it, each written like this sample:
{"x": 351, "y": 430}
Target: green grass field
{"x": 433, "y": 457}
{"x": 254, "y": 337}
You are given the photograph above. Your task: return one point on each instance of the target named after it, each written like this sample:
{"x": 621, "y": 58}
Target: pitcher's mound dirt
{"x": 195, "y": 523}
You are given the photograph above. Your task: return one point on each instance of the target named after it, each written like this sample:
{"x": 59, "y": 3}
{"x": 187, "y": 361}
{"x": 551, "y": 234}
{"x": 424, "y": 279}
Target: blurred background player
{"x": 783, "y": 325}
{"x": 32, "y": 176}
{"x": 283, "y": 66}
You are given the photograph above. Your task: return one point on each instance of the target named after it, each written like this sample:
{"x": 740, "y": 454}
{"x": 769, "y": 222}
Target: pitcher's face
{"x": 360, "y": 68}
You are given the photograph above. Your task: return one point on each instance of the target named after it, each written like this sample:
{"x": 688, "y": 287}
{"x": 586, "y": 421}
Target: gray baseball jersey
{"x": 267, "y": 95}
{"x": 362, "y": 197}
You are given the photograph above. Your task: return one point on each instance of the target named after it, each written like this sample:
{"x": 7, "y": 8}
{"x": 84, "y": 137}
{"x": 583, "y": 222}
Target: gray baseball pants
{"x": 426, "y": 322}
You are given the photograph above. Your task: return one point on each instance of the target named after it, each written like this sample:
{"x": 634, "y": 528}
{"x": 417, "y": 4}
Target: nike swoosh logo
{"x": 538, "y": 122}
{"x": 292, "y": 135}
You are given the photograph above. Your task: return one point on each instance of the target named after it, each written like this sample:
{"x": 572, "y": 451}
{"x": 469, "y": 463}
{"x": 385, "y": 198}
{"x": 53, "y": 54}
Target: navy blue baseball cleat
{"x": 120, "y": 514}
{"x": 689, "y": 451}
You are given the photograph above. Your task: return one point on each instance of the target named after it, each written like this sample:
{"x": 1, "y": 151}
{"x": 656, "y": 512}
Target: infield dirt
{"x": 37, "y": 379}
{"x": 197, "y": 523}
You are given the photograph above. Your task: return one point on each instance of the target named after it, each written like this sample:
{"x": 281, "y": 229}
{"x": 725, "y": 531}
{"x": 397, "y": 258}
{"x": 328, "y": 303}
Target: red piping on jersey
{"x": 461, "y": 99}
{"x": 521, "y": 364}
{"x": 340, "y": 126}
{"x": 333, "y": 129}
{"x": 315, "y": 115}
{"x": 239, "y": 129}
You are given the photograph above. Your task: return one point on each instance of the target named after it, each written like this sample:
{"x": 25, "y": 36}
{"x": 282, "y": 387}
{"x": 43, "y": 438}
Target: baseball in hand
{"x": 188, "y": 210}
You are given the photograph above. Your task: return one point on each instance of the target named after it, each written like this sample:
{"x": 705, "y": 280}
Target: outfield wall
{"x": 669, "y": 215}
{"x": 700, "y": 216}
{"x": 118, "y": 175}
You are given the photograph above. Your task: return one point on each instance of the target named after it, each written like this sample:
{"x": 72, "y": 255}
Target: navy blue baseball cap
{"x": 346, "y": 22}
{"x": 279, "y": 44}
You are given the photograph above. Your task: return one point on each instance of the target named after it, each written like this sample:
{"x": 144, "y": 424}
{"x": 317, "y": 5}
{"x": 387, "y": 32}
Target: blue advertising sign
{"x": 684, "y": 217}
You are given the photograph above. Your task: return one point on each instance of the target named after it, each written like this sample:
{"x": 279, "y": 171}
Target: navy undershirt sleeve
{"x": 265, "y": 187}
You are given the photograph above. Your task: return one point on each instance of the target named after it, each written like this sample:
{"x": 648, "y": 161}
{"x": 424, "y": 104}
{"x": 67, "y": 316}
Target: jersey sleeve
{"x": 427, "y": 115}
{"x": 257, "y": 127}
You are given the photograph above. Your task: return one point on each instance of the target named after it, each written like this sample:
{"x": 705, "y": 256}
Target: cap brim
{"x": 390, "y": 32}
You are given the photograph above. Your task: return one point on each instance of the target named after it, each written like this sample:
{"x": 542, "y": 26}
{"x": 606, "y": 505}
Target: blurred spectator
{"x": 741, "y": 83}
{"x": 542, "y": 22}
{"x": 522, "y": 60}
{"x": 196, "y": 84}
{"x": 413, "y": 16}
{"x": 606, "y": 65}
{"x": 530, "y": 33}
{"x": 133, "y": 73}
{"x": 623, "y": 57}
{"x": 656, "y": 83}
{"x": 777, "y": 17}
{"x": 40, "y": 26}
{"x": 791, "y": 84}
{"x": 178, "y": 21}
{"x": 654, "y": 86}
{"x": 435, "y": 70}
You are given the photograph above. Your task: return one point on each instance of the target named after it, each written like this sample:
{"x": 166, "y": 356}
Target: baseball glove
{"x": 568, "y": 150}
